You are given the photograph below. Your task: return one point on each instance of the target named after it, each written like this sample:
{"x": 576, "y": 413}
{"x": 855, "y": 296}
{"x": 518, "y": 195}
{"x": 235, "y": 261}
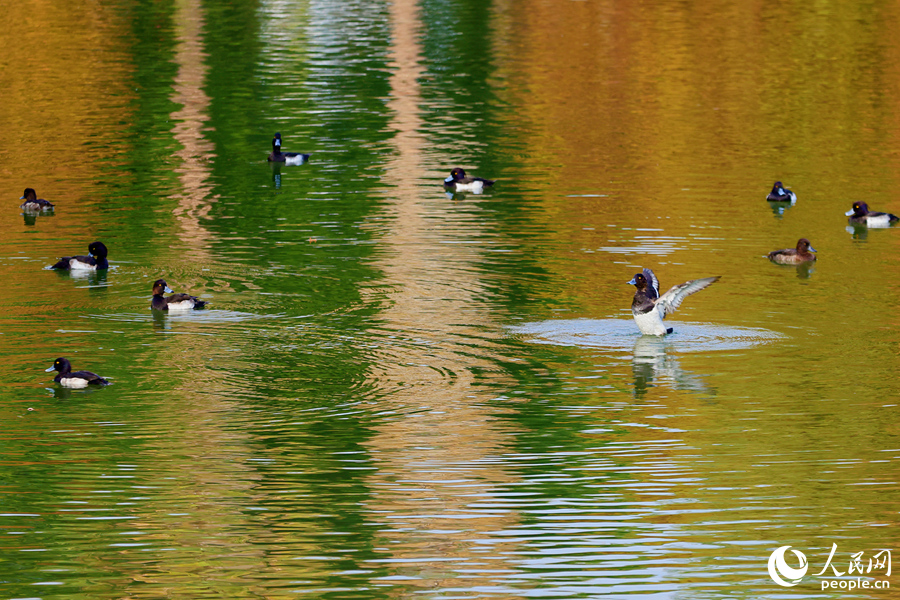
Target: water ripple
{"x": 621, "y": 334}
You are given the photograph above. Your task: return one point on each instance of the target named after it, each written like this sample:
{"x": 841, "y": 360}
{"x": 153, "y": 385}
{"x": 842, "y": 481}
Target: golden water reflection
{"x": 196, "y": 196}
{"x": 63, "y": 76}
{"x": 424, "y": 458}
{"x": 645, "y": 135}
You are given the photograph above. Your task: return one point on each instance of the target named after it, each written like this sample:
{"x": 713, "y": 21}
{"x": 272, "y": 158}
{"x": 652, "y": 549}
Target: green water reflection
{"x": 362, "y": 411}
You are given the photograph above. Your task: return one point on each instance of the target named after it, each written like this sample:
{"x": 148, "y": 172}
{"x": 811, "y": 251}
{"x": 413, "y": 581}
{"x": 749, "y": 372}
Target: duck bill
{"x": 168, "y": 290}
{"x": 848, "y": 213}
{"x": 811, "y": 249}
{"x": 52, "y": 368}
{"x": 632, "y": 282}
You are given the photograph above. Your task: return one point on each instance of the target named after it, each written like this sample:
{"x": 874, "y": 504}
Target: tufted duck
{"x": 175, "y": 302}
{"x": 458, "y": 181}
{"x": 77, "y": 379}
{"x": 794, "y": 256}
{"x": 779, "y": 194}
{"x": 96, "y": 260}
{"x": 649, "y": 308}
{"x": 861, "y": 215}
{"x": 33, "y": 203}
{"x": 288, "y": 158}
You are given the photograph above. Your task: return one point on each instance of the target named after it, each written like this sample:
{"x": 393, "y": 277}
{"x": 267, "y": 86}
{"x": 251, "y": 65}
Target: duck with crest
{"x": 860, "y": 214}
{"x": 288, "y": 158}
{"x": 458, "y": 181}
{"x": 96, "y": 260}
{"x": 649, "y": 308}
{"x": 74, "y": 379}
{"x": 780, "y": 194}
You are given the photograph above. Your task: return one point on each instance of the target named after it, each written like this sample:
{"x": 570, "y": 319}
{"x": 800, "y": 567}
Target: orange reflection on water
{"x": 196, "y": 197}
{"x": 418, "y": 478}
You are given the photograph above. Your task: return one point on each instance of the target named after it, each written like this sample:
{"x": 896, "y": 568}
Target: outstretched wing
{"x": 672, "y": 299}
{"x": 649, "y": 276}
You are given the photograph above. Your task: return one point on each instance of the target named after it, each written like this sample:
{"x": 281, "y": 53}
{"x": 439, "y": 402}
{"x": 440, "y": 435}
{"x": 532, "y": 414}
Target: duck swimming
{"x": 860, "y": 214}
{"x": 96, "y": 260}
{"x": 175, "y": 302}
{"x": 33, "y": 203}
{"x": 458, "y": 181}
{"x": 794, "y": 256}
{"x": 77, "y": 379}
{"x": 779, "y": 194}
{"x": 288, "y": 158}
{"x": 649, "y": 308}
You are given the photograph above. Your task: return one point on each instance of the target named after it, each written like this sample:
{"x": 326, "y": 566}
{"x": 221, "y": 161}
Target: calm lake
{"x": 396, "y": 392}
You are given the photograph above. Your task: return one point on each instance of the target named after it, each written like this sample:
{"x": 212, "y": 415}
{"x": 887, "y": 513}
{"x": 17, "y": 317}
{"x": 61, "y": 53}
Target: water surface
{"x": 395, "y": 393}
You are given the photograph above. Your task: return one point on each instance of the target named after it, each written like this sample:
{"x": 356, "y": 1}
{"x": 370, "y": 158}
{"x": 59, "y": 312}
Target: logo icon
{"x": 781, "y": 573}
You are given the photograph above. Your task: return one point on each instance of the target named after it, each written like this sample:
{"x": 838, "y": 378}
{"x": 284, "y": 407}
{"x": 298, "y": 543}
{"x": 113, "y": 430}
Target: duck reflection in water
{"x": 455, "y": 196}
{"x": 805, "y": 270}
{"x": 30, "y": 218}
{"x": 64, "y": 393}
{"x": 276, "y": 174}
{"x": 61, "y": 393}
{"x": 160, "y": 320}
{"x": 96, "y": 280}
{"x": 860, "y": 232}
{"x": 652, "y": 366}
{"x": 778, "y": 208}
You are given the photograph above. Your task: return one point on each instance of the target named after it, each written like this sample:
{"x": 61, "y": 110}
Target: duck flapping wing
{"x": 672, "y": 299}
